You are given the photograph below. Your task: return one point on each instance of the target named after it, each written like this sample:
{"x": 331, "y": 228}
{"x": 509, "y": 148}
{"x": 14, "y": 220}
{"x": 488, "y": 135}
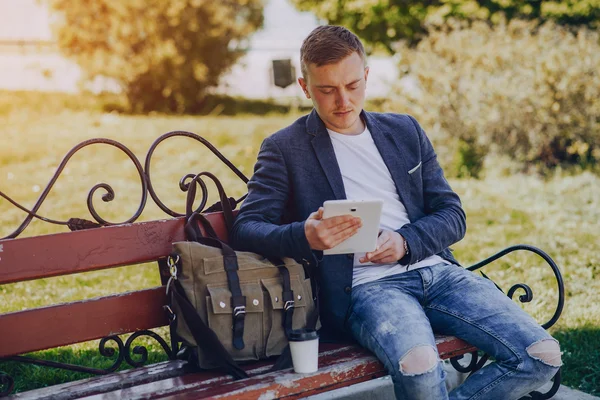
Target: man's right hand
{"x": 327, "y": 233}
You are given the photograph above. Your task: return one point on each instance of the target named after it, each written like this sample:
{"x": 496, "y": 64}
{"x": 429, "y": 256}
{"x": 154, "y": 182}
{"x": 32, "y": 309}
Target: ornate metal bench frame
{"x": 125, "y": 351}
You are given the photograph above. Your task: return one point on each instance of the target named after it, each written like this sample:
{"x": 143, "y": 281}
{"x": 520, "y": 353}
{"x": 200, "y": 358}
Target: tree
{"x": 382, "y": 23}
{"x": 164, "y": 54}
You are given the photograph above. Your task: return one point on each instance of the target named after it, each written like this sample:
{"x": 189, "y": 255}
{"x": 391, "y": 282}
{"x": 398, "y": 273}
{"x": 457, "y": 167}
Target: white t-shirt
{"x": 366, "y": 176}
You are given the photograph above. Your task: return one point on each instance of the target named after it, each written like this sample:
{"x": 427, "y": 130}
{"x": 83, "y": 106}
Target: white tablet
{"x": 369, "y": 212}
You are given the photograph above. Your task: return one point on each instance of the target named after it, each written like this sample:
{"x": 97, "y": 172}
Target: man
{"x": 392, "y": 299}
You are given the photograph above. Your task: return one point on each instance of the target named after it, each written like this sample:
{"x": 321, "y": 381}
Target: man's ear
{"x": 366, "y": 73}
{"x": 302, "y": 84}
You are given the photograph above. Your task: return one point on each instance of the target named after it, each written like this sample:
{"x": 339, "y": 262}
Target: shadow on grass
{"x": 29, "y": 376}
{"x": 581, "y": 358}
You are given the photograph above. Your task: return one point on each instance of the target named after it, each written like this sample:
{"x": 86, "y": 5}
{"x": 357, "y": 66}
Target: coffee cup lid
{"x": 300, "y": 335}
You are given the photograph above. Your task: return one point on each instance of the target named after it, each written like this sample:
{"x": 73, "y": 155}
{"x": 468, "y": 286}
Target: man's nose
{"x": 342, "y": 99}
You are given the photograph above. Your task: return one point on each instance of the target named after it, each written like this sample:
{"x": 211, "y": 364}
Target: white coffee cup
{"x": 304, "y": 346}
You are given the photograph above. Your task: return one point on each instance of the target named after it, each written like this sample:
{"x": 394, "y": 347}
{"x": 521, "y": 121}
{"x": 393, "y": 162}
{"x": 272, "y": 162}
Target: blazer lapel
{"x": 325, "y": 154}
{"x": 392, "y": 155}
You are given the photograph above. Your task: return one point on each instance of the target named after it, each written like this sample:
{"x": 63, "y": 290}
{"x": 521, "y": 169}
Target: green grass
{"x": 560, "y": 215}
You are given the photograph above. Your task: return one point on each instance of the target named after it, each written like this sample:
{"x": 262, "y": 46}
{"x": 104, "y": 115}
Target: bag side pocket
{"x": 220, "y": 319}
{"x": 275, "y": 335}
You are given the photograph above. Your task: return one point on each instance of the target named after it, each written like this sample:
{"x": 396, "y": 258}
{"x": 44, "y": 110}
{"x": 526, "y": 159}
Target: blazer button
{"x": 348, "y": 290}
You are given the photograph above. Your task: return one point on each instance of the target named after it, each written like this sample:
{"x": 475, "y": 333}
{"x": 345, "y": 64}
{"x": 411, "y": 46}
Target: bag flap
{"x": 275, "y": 289}
{"x": 191, "y": 254}
{"x": 220, "y": 297}
{"x": 246, "y": 261}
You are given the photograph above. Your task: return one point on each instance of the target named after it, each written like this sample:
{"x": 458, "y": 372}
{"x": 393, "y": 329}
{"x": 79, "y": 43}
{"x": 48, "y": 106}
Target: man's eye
{"x": 354, "y": 87}
{"x": 326, "y": 91}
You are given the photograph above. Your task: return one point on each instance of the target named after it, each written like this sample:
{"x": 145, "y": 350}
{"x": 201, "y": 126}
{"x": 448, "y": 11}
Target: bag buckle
{"x": 172, "y": 316}
{"x": 172, "y": 264}
{"x": 239, "y": 310}
{"x": 288, "y": 304}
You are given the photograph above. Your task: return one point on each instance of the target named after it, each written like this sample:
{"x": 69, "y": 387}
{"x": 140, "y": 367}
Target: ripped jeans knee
{"x": 418, "y": 360}
{"x": 546, "y": 351}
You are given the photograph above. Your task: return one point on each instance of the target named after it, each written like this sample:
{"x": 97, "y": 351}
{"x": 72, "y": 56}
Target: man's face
{"x": 338, "y": 93}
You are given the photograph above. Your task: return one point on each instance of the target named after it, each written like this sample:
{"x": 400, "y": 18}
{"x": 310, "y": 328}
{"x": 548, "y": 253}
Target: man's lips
{"x": 342, "y": 112}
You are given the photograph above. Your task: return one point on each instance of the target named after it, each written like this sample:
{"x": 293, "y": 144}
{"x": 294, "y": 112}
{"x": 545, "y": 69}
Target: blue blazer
{"x": 297, "y": 171}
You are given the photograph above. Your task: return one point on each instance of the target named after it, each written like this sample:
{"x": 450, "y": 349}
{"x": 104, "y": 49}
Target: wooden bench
{"x": 106, "y": 318}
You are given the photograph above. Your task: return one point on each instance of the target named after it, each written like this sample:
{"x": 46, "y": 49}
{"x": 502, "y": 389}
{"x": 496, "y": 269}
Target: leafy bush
{"x": 527, "y": 91}
{"x": 383, "y": 23}
{"x": 165, "y": 54}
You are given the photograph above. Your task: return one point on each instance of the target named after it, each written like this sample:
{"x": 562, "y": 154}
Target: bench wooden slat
{"x": 341, "y": 363}
{"x": 107, "y": 383}
{"x": 140, "y": 384}
{"x": 64, "y": 324}
{"x": 146, "y": 378}
{"x": 338, "y": 367}
{"x": 93, "y": 249}
{"x": 450, "y": 346}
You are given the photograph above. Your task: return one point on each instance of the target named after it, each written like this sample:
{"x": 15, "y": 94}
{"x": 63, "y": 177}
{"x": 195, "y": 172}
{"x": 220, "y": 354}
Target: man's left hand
{"x": 390, "y": 249}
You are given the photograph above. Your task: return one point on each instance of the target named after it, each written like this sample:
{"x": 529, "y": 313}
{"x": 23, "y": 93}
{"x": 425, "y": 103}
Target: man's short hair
{"x": 329, "y": 44}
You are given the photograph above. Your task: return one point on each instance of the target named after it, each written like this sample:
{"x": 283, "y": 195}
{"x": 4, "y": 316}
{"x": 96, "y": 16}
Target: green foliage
{"x": 470, "y": 157}
{"x": 382, "y": 23}
{"x": 164, "y": 54}
{"x": 532, "y": 97}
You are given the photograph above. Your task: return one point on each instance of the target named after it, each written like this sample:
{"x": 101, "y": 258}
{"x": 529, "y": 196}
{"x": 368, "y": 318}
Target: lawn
{"x": 560, "y": 214}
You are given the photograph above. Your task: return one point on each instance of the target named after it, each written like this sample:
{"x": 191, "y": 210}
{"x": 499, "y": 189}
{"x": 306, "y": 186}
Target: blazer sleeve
{"x": 444, "y": 222}
{"x": 258, "y": 226}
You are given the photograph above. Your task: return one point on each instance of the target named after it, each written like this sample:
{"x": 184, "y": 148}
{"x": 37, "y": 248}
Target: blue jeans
{"x": 396, "y": 314}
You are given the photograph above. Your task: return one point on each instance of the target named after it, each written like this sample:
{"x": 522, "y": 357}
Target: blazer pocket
{"x": 415, "y": 168}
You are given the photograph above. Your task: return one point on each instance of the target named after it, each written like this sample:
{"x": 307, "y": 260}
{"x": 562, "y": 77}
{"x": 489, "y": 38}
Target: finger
{"x": 382, "y": 240}
{"x": 320, "y": 213}
{"x": 342, "y": 226}
{"x": 343, "y": 234}
{"x": 379, "y": 250}
{"x": 339, "y": 219}
{"x": 317, "y": 214}
{"x": 384, "y": 257}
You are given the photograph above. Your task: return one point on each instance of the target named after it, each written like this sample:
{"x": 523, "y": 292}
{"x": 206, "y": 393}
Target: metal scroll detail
{"x": 528, "y": 296}
{"x": 76, "y": 223}
{"x": 184, "y": 185}
{"x": 142, "y": 351}
{"x": 7, "y": 384}
{"x": 109, "y": 193}
{"x": 124, "y": 353}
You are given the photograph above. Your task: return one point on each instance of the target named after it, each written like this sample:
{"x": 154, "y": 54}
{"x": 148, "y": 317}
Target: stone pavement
{"x": 382, "y": 389}
{"x": 566, "y": 393}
